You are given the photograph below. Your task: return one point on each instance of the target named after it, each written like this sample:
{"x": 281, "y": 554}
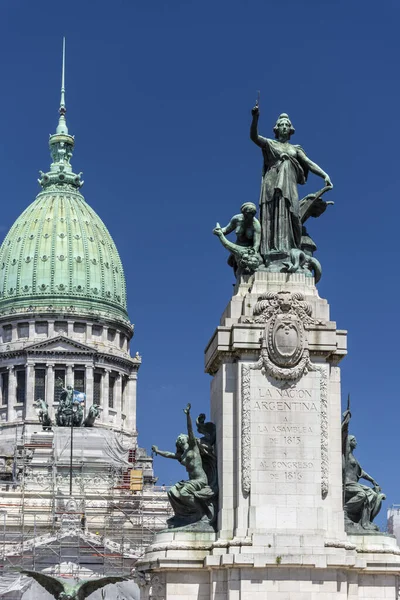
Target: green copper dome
{"x": 58, "y": 255}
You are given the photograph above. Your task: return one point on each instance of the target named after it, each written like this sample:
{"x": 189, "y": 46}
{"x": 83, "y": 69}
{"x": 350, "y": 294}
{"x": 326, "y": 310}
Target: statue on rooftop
{"x": 42, "y": 409}
{"x": 361, "y": 503}
{"x": 92, "y": 415}
{"x": 69, "y": 412}
{"x": 244, "y": 257}
{"x": 285, "y": 244}
{"x": 194, "y": 501}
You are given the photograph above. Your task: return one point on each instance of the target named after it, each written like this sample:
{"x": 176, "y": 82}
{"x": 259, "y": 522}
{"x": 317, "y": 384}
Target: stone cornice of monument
{"x": 59, "y": 256}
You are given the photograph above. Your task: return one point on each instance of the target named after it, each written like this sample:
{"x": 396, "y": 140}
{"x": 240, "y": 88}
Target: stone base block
{"x": 281, "y": 582}
{"x": 196, "y": 566}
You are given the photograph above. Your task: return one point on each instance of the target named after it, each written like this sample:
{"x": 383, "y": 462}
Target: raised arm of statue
{"x": 257, "y": 139}
{"x": 164, "y": 453}
{"x": 345, "y": 437}
{"x": 230, "y": 227}
{"x": 191, "y": 437}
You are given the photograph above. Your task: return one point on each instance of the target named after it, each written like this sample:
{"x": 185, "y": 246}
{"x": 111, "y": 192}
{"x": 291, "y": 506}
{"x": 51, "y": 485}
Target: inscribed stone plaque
{"x": 285, "y": 434}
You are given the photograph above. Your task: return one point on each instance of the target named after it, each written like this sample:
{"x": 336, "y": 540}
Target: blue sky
{"x": 159, "y": 97}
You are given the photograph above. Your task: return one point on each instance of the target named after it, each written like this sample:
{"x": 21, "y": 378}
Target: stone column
{"x": 10, "y": 404}
{"x": 88, "y": 387}
{"x": 69, "y": 376}
{"x": 104, "y": 395}
{"x": 130, "y": 401}
{"x": 30, "y": 412}
{"x": 50, "y": 388}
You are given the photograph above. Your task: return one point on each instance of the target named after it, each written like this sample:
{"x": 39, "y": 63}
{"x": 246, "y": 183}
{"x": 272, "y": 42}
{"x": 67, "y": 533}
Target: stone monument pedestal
{"x": 276, "y": 403}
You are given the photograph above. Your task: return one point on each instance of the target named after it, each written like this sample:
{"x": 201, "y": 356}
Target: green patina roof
{"x": 59, "y": 254}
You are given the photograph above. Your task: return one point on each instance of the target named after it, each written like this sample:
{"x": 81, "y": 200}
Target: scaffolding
{"x": 104, "y": 527}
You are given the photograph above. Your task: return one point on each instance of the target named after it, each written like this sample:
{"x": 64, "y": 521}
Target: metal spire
{"x": 61, "y": 147}
{"x": 62, "y": 124}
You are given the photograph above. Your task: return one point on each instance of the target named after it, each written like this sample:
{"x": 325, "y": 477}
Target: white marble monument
{"x": 276, "y": 403}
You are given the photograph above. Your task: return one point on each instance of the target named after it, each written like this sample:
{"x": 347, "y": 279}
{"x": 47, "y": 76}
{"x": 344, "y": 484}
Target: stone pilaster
{"x": 89, "y": 386}
{"x": 130, "y": 401}
{"x": 14, "y": 332}
{"x": 50, "y": 388}
{"x": 30, "y": 412}
{"x": 31, "y": 330}
{"x": 50, "y": 331}
{"x": 10, "y": 404}
{"x": 118, "y": 396}
{"x": 104, "y": 395}
{"x": 89, "y": 333}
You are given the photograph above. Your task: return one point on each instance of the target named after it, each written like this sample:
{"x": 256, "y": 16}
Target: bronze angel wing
{"x": 88, "y": 587}
{"x": 51, "y": 584}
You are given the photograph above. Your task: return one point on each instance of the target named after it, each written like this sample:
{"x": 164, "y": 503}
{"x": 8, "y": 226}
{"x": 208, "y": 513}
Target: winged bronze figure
{"x": 65, "y": 591}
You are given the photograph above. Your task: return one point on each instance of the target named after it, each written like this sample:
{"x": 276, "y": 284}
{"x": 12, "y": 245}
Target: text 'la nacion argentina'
{"x": 280, "y": 405}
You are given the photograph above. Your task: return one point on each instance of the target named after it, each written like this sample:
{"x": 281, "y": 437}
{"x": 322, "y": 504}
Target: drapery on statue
{"x": 244, "y": 257}
{"x": 42, "y": 409}
{"x": 194, "y": 501}
{"x": 285, "y": 245}
{"x": 62, "y": 590}
{"x": 361, "y": 503}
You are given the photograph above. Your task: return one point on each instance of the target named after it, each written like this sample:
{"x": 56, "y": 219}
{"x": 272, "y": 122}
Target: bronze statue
{"x": 194, "y": 500}
{"x": 361, "y": 503}
{"x": 66, "y": 416}
{"x": 42, "y": 409}
{"x": 61, "y": 590}
{"x": 285, "y": 166}
{"x": 244, "y": 257}
{"x": 92, "y": 415}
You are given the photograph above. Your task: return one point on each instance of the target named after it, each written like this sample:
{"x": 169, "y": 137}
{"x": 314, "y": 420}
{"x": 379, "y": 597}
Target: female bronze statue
{"x": 193, "y": 500}
{"x": 361, "y": 503}
{"x": 285, "y": 166}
